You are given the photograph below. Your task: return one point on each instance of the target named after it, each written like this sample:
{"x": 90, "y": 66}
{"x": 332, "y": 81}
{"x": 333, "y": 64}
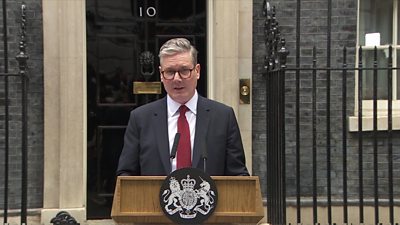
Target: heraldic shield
{"x": 188, "y": 196}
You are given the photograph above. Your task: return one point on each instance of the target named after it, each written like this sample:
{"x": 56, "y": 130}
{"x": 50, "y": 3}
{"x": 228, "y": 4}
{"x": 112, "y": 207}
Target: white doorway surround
{"x": 64, "y": 30}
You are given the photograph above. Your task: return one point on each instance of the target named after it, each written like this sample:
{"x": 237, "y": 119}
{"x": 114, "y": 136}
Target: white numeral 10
{"x": 150, "y": 11}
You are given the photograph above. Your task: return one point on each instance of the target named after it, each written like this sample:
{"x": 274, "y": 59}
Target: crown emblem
{"x": 188, "y": 183}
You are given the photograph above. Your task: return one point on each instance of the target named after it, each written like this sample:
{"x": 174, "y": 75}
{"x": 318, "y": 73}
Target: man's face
{"x": 179, "y": 89}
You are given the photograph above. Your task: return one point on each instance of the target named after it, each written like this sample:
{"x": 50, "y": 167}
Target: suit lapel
{"x": 160, "y": 125}
{"x": 202, "y": 121}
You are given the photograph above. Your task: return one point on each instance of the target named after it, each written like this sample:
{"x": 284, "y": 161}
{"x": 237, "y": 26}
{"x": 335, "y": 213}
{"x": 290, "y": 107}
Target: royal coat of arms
{"x": 188, "y": 198}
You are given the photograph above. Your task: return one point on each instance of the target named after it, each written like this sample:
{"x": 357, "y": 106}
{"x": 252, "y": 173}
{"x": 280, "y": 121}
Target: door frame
{"x": 65, "y": 106}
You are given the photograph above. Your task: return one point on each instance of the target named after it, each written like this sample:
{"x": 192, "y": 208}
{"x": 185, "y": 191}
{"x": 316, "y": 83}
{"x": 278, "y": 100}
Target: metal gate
{"x": 14, "y": 96}
{"x": 365, "y": 174}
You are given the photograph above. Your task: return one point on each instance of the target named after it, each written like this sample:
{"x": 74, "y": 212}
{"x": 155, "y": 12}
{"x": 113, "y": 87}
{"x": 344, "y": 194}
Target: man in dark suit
{"x": 212, "y": 126}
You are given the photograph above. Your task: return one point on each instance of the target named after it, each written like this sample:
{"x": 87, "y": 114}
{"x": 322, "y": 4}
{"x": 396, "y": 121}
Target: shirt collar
{"x": 173, "y": 106}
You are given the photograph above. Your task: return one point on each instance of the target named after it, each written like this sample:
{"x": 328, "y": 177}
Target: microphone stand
{"x": 204, "y": 156}
{"x": 175, "y": 145}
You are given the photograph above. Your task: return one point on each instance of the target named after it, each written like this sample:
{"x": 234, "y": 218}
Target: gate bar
{"x": 344, "y": 135}
{"x": 390, "y": 137}
{"x": 6, "y": 112}
{"x": 375, "y": 135}
{"x": 22, "y": 58}
{"x": 360, "y": 137}
{"x": 298, "y": 193}
{"x": 314, "y": 135}
{"x": 328, "y": 113}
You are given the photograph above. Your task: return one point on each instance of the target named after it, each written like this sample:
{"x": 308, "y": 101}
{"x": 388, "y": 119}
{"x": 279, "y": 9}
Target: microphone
{"x": 175, "y": 145}
{"x": 204, "y": 155}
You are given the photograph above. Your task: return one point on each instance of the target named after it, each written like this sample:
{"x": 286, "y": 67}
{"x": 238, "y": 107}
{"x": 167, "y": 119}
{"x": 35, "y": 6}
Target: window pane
{"x": 368, "y": 75}
{"x": 396, "y": 73}
{"x": 376, "y": 17}
{"x": 398, "y": 23}
{"x": 111, "y": 10}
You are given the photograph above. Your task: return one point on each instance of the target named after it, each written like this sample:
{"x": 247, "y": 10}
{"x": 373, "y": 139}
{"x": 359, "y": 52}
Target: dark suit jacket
{"x": 146, "y": 145}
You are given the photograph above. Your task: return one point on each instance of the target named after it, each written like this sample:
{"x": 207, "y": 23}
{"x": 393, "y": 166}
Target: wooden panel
{"x": 235, "y": 196}
{"x": 140, "y": 196}
{"x": 136, "y": 200}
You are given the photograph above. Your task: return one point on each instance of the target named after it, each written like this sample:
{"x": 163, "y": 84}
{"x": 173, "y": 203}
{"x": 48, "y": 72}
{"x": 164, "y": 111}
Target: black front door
{"x": 123, "y": 39}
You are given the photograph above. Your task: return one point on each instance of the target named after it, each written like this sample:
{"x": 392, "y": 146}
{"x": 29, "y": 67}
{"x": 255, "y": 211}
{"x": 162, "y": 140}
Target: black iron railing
{"x": 317, "y": 130}
{"x": 274, "y": 66}
{"x": 21, "y": 79}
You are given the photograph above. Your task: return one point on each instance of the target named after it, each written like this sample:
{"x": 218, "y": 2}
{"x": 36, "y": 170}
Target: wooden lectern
{"x": 136, "y": 200}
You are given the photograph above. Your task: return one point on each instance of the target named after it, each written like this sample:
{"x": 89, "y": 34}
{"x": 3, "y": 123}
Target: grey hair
{"x": 178, "y": 45}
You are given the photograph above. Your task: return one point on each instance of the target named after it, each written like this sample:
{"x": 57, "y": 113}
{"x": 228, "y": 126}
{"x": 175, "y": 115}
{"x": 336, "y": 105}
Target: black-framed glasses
{"x": 183, "y": 73}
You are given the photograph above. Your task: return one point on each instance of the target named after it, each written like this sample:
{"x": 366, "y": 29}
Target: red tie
{"x": 184, "y": 156}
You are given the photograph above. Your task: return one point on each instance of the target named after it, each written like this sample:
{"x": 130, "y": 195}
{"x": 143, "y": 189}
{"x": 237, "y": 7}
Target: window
{"x": 378, "y": 25}
{"x": 376, "y": 28}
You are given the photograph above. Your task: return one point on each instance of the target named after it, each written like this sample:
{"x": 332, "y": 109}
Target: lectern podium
{"x": 136, "y": 200}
